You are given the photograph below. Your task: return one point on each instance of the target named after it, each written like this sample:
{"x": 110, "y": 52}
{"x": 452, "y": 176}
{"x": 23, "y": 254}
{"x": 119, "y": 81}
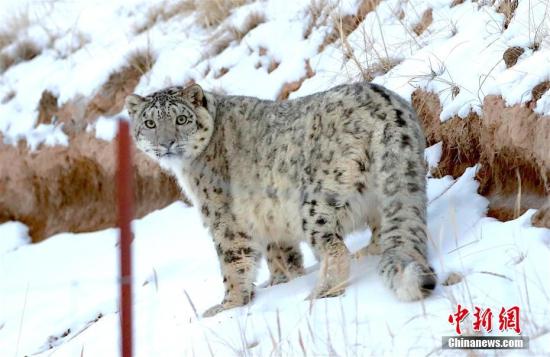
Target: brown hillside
{"x": 512, "y": 145}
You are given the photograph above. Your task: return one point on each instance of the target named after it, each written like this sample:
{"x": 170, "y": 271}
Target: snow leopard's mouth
{"x": 166, "y": 154}
{"x": 169, "y": 155}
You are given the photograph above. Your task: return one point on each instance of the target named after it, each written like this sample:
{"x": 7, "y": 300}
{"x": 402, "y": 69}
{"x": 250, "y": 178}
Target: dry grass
{"x": 213, "y": 12}
{"x": 489, "y": 141}
{"x": 221, "y": 72}
{"x": 139, "y": 63}
{"x": 537, "y": 92}
{"x": 47, "y": 107}
{"x": 76, "y": 183}
{"x": 540, "y": 32}
{"x": 217, "y": 44}
{"x": 273, "y": 65}
{"x": 424, "y": 23}
{"x": 290, "y": 87}
{"x": 11, "y": 28}
{"x": 9, "y": 96}
{"x": 251, "y": 22}
{"x": 319, "y": 12}
{"x": 9, "y": 33}
{"x": 78, "y": 41}
{"x": 23, "y": 51}
{"x": 507, "y": 8}
{"x": 6, "y": 62}
{"x": 344, "y": 25}
{"x": 542, "y": 217}
{"x": 226, "y": 35}
{"x": 381, "y": 67}
{"x": 371, "y": 63}
{"x": 6, "y": 38}
{"x": 164, "y": 12}
{"x": 375, "y": 67}
{"x": 511, "y": 55}
{"x": 141, "y": 60}
{"x": 109, "y": 100}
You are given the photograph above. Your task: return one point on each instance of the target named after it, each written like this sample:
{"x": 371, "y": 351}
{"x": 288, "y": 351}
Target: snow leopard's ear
{"x": 195, "y": 95}
{"x": 133, "y": 102}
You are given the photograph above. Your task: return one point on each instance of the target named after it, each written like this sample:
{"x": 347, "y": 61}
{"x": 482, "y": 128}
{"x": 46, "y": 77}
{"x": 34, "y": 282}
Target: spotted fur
{"x": 267, "y": 175}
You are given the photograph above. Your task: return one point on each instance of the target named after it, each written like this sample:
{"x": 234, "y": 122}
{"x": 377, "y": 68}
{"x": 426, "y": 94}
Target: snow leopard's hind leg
{"x": 285, "y": 261}
{"x": 323, "y": 230}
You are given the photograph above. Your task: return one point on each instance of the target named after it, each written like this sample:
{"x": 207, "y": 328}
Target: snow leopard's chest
{"x": 269, "y": 214}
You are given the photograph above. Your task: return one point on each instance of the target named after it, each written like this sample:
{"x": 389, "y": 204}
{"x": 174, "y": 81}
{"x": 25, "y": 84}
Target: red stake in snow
{"x": 125, "y": 213}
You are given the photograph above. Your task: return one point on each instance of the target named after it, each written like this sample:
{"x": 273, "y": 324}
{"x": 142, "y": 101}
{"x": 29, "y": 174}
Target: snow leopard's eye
{"x": 150, "y": 124}
{"x": 182, "y": 120}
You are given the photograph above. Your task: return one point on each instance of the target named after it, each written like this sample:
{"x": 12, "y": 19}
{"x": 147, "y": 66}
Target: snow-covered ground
{"x": 459, "y": 56}
{"x": 59, "y": 297}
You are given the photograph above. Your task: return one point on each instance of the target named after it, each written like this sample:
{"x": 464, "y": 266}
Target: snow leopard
{"x": 268, "y": 175}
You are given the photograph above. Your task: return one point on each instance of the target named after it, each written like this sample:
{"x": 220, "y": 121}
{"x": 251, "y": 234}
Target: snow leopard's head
{"x": 173, "y": 124}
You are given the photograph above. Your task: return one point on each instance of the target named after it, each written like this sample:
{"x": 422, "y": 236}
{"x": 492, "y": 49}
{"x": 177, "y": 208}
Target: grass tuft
{"x": 164, "y": 12}
{"x": 22, "y": 52}
{"x": 141, "y": 61}
{"x": 318, "y": 12}
{"x": 12, "y": 26}
{"x": 344, "y": 25}
{"x": 26, "y": 51}
{"x": 507, "y": 8}
{"x": 222, "y": 38}
{"x": 251, "y": 22}
{"x": 424, "y": 23}
{"x": 213, "y": 12}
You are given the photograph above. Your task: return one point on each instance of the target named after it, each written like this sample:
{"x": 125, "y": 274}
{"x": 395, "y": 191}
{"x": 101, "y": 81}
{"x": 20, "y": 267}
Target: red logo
{"x": 483, "y": 318}
{"x": 457, "y": 318}
{"x": 508, "y": 319}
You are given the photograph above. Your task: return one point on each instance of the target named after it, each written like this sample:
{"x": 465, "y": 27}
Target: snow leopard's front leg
{"x": 237, "y": 252}
{"x": 238, "y": 257}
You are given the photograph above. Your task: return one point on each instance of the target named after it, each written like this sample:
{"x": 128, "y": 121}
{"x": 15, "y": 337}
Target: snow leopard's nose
{"x": 168, "y": 144}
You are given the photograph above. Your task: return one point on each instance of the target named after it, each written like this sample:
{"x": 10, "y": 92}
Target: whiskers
{"x": 154, "y": 151}
{"x": 175, "y": 152}
{"x": 159, "y": 152}
{"x": 179, "y": 148}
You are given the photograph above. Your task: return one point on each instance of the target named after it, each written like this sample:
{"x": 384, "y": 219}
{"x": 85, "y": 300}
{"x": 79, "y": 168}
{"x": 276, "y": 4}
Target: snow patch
{"x": 12, "y": 236}
{"x": 432, "y": 155}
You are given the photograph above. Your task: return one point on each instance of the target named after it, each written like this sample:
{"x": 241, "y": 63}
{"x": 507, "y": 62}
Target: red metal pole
{"x": 125, "y": 214}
